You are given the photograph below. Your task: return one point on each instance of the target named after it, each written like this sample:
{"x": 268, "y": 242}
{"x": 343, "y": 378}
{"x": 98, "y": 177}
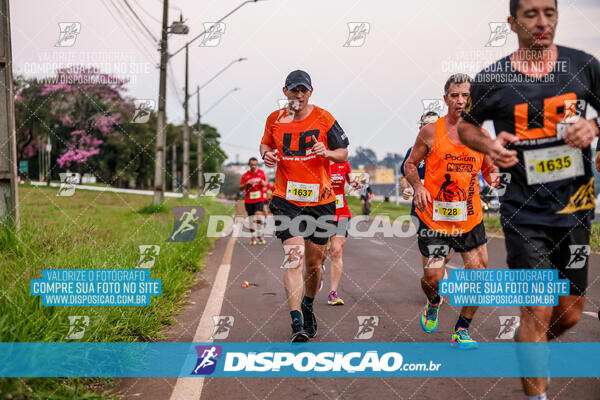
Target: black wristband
{"x": 265, "y": 153}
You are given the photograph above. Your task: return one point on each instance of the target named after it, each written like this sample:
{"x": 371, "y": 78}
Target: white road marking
{"x": 191, "y": 388}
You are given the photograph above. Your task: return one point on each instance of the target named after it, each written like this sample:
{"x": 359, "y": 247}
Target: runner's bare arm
{"x": 269, "y": 155}
{"x": 403, "y": 183}
{"x": 420, "y": 149}
{"x": 422, "y": 145}
{"x": 405, "y": 188}
{"x": 582, "y": 133}
{"x": 472, "y": 136}
{"x": 489, "y": 171}
{"x": 338, "y": 155}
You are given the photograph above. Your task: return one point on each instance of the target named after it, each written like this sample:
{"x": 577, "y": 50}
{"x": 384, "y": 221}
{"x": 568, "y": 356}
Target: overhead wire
{"x": 141, "y": 47}
{"x": 140, "y": 21}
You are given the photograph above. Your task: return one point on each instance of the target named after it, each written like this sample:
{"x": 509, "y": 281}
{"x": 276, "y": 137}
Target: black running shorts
{"x": 434, "y": 244}
{"x": 544, "y": 247}
{"x": 342, "y": 227}
{"x": 303, "y": 220}
{"x": 252, "y": 208}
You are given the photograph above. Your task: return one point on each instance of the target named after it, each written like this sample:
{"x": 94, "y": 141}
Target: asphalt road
{"x": 381, "y": 278}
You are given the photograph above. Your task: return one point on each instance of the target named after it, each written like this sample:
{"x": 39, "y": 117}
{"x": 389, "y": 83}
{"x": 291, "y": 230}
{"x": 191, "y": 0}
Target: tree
{"x": 32, "y": 116}
{"x": 363, "y": 156}
{"x": 213, "y": 155}
{"x": 91, "y": 104}
{"x": 87, "y": 117}
{"x": 391, "y": 160}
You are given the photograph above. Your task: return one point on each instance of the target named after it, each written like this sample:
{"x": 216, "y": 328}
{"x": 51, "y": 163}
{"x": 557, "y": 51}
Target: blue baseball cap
{"x": 297, "y": 78}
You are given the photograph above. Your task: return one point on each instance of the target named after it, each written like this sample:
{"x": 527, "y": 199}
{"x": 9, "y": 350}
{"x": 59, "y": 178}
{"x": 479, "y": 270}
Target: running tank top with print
{"x": 451, "y": 178}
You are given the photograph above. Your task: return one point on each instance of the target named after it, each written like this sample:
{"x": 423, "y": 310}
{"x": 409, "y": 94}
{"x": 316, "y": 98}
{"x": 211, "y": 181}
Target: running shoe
{"x": 334, "y": 299}
{"x": 462, "y": 340}
{"x": 310, "y": 322}
{"x": 299, "y": 333}
{"x": 261, "y": 240}
{"x": 253, "y": 241}
{"x": 429, "y": 317}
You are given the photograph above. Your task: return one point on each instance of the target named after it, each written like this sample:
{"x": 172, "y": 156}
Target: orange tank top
{"x": 451, "y": 178}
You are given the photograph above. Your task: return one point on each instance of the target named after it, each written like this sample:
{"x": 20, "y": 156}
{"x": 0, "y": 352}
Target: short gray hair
{"x": 457, "y": 79}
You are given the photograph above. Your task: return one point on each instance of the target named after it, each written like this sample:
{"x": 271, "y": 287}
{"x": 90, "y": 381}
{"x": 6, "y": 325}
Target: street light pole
{"x": 198, "y": 123}
{"x": 174, "y": 167}
{"x": 185, "y": 184}
{"x": 161, "y": 135}
{"x": 204, "y": 32}
{"x": 9, "y": 194}
{"x": 199, "y": 137}
{"x": 397, "y": 180}
{"x": 200, "y": 133}
{"x": 221, "y": 99}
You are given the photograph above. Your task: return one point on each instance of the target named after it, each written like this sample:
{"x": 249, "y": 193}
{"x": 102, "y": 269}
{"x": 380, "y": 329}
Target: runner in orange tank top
{"x": 448, "y": 205}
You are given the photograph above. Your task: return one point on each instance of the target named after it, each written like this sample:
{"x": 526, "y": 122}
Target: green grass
{"x": 378, "y": 208}
{"x": 91, "y": 230}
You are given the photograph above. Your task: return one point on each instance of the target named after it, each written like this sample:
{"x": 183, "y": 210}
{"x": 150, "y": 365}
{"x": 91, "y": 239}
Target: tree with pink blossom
{"x": 92, "y": 105}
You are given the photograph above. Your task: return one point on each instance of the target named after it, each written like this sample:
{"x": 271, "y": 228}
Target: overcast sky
{"x": 375, "y": 91}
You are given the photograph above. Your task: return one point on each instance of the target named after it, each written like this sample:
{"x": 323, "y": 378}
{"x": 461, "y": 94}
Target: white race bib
{"x": 307, "y": 192}
{"x": 449, "y": 211}
{"x": 339, "y": 201}
{"x": 553, "y": 164}
{"x": 254, "y": 195}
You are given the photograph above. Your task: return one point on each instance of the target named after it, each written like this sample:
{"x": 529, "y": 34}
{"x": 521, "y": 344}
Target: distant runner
{"x": 428, "y": 118}
{"x": 340, "y": 173}
{"x": 252, "y": 184}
